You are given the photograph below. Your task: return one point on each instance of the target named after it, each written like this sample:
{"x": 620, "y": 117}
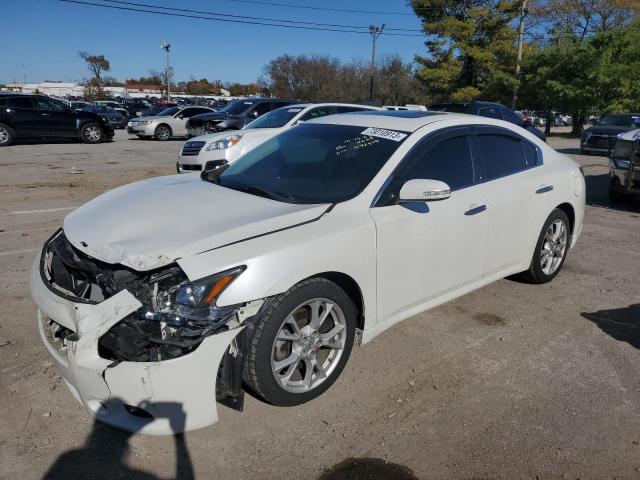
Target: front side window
{"x": 501, "y": 154}
{"x": 171, "y": 111}
{"x": 317, "y": 113}
{"x": 490, "y": 112}
{"x": 20, "y": 102}
{"x": 276, "y": 118}
{"x": 262, "y": 108}
{"x": 313, "y": 163}
{"x": 449, "y": 161}
{"x": 50, "y": 105}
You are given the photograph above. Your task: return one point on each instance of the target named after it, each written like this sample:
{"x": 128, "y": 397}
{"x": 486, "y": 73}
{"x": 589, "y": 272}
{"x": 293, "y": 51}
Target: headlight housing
{"x": 223, "y": 144}
{"x": 621, "y": 164}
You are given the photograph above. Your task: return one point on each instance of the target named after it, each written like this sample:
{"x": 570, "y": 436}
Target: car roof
{"x": 403, "y": 120}
{"x": 329, "y": 104}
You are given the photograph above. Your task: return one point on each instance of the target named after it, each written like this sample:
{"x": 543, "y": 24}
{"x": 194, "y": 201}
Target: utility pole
{"x": 166, "y": 46}
{"x": 523, "y": 14}
{"x": 375, "y": 33}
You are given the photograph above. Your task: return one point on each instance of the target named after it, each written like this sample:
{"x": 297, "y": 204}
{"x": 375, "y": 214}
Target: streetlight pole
{"x": 523, "y": 13}
{"x": 166, "y": 46}
{"x": 375, "y": 33}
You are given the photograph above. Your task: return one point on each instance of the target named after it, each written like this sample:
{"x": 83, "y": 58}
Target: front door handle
{"x": 545, "y": 189}
{"x": 45, "y": 114}
{"x": 475, "y": 210}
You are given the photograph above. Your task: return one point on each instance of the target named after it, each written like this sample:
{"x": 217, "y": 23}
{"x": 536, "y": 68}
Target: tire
{"x": 91, "y": 133}
{"x": 163, "y": 133}
{"x": 302, "y": 352}
{"x": 538, "y": 273}
{"x": 6, "y": 135}
{"x": 141, "y": 137}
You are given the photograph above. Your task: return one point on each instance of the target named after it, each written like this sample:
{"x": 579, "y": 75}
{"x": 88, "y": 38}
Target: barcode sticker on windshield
{"x": 294, "y": 110}
{"x": 382, "y": 133}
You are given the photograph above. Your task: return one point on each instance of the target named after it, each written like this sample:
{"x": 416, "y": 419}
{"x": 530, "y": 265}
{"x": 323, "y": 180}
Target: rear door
{"x": 21, "y": 114}
{"x": 514, "y": 185}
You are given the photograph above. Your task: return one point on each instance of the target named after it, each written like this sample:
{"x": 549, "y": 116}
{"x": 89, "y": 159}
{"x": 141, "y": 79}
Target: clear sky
{"x": 46, "y": 35}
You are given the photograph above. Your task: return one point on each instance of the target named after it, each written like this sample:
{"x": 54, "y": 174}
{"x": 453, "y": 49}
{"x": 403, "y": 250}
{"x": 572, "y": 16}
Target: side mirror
{"x": 180, "y": 116}
{"x": 420, "y": 190}
{"x": 298, "y": 122}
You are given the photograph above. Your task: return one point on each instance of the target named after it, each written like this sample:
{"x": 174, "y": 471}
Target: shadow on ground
{"x": 598, "y": 195}
{"x": 623, "y": 324}
{"x": 367, "y": 469}
{"x": 104, "y": 457}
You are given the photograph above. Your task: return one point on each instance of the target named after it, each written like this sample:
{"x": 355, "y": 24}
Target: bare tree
{"x": 96, "y": 64}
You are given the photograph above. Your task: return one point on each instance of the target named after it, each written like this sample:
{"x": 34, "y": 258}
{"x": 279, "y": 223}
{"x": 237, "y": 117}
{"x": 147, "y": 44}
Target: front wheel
{"x": 91, "y": 133}
{"x": 163, "y": 133}
{"x": 551, "y": 249}
{"x": 300, "y": 342}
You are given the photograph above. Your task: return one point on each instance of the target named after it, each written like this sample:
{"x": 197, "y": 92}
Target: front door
{"x": 428, "y": 250}
{"x": 56, "y": 120}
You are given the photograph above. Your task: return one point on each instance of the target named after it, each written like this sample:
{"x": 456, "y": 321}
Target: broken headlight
{"x": 176, "y": 315}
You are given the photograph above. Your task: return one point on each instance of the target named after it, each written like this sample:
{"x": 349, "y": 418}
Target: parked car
{"x": 136, "y": 106}
{"x": 217, "y": 149}
{"x": 115, "y": 119}
{"x": 601, "y": 137}
{"x": 420, "y": 108}
{"x": 170, "y": 123}
{"x": 489, "y": 110}
{"x": 624, "y": 167}
{"x": 562, "y": 120}
{"x": 160, "y": 297}
{"x": 78, "y": 105}
{"x": 234, "y": 116}
{"x": 37, "y": 116}
{"x": 108, "y": 103}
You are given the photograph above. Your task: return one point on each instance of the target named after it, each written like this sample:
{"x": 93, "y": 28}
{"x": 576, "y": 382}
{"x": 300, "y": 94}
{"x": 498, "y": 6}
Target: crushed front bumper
{"x": 157, "y": 398}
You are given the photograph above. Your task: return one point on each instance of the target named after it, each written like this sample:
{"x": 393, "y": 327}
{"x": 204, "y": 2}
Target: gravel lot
{"x": 511, "y": 381}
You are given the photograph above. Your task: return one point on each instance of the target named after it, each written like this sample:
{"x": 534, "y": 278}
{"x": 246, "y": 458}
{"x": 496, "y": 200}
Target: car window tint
{"x": 189, "y": 112}
{"x": 502, "y": 155}
{"x": 263, "y": 108}
{"x": 350, "y": 109}
{"x": 510, "y": 116}
{"x": 532, "y": 158}
{"x": 317, "y": 113}
{"x": 20, "y": 102}
{"x": 490, "y": 112}
{"x": 449, "y": 161}
{"x": 46, "y": 104}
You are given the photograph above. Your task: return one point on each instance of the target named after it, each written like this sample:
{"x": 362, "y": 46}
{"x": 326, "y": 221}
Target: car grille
{"x": 192, "y": 148}
{"x": 194, "y": 168}
{"x": 600, "y": 141}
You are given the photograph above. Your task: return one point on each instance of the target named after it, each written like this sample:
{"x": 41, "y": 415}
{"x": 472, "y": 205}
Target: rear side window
{"x": 20, "y": 102}
{"x": 490, "y": 112}
{"x": 502, "y": 155}
{"x": 448, "y": 160}
{"x": 509, "y": 116}
{"x": 531, "y": 154}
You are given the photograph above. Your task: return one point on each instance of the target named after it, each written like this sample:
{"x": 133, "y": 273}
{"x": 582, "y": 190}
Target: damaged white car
{"x": 155, "y": 303}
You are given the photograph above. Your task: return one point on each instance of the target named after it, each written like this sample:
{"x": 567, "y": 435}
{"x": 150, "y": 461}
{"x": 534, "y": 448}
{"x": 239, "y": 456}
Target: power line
{"x": 228, "y": 20}
{"x": 218, "y": 14}
{"x": 326, "y": 9}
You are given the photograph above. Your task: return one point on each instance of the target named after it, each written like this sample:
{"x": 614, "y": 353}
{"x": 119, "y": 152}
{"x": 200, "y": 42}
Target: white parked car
{"x": 225, "y": 147}
{"x": 168, "y": 124}
{"x": 160, "y": 297}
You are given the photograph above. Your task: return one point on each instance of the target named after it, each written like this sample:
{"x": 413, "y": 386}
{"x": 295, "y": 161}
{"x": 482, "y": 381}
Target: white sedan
{"x": 215, "y": 149}
{"x": 168, "y": 124}
{"x": 154, "y": 302}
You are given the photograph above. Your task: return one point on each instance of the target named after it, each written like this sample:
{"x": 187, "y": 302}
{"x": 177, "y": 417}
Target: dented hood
{"x": 149, "y": 224}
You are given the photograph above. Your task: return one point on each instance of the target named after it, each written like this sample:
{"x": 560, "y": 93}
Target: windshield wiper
{"x": 253, "y": 190}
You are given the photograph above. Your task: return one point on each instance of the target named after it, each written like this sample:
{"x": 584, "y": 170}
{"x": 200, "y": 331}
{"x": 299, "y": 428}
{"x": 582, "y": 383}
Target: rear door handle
{"x": 475, "y": 210}
{"x": 545, "y": 189}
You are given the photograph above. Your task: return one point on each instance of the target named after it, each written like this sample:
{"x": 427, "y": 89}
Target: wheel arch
{"x": 350, "y": 287}
{"x": 568, "y": 209}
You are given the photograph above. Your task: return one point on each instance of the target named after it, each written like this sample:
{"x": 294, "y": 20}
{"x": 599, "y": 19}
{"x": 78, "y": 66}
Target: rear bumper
{"x": 175, "y": 395}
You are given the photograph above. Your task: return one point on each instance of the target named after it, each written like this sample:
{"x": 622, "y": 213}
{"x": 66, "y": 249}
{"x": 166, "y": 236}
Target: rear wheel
{"x": 163, "y": 132}
{"x": 551, "y": 249}
{"x": 91, "y": 133}
{"x": 6, "y": 135}
{"x": 300, "y": 343}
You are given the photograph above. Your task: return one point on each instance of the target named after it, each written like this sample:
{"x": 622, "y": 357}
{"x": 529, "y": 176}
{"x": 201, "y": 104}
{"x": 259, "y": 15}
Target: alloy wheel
{"x": 4, "y": 135}
{"x": 163, "y": 133}
{"x": 554, "y": 246}
{"x": 93, "y": 133}
{"x": 309, "y": 345}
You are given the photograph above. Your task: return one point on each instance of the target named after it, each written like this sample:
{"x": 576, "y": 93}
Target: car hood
{"x": 608, "y": 130}
{"x": 153, "y": 117}
{"x": 152, "y": 223}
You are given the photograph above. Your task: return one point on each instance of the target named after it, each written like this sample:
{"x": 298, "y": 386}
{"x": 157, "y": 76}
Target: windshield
{"x": 275, "y": 119}
{"x": 618, "y": 120}
{"x": 168, "y": 111}
{"x": 239, "y": 106}
{"x": 313, "y": 163}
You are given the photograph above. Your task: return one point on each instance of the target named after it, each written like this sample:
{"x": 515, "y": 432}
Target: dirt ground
{"x": 512, "y": 381}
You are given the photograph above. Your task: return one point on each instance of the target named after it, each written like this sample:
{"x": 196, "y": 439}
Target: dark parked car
{"x": 234, "y": 116}
{"x": 153, "y": 111}
{"x": 603, "y": 135}
{"x": 23, "y": 116}
{"x": 115, "y": 119}
{"x": 136, "y": 107}
{"x": 491, "y": 110}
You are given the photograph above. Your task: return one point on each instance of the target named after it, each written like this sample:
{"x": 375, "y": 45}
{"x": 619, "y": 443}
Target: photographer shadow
{"x": 106, "y": 450}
